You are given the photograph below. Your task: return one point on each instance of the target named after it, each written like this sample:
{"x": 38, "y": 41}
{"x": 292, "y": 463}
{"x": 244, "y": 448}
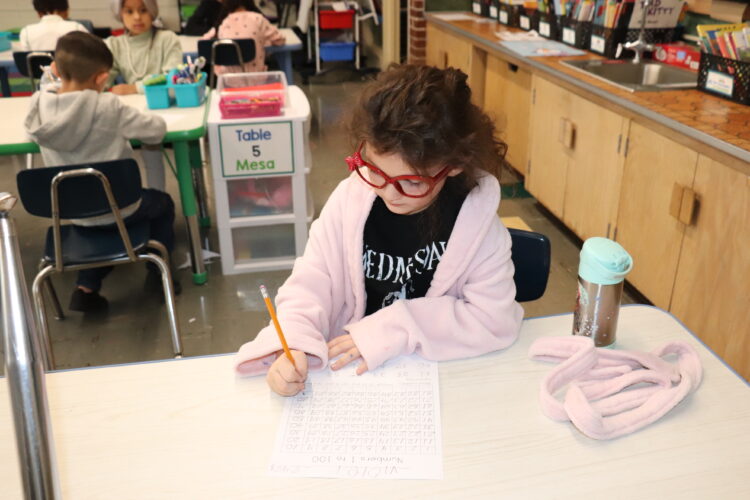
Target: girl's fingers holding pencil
{"x": 283, "y": 378}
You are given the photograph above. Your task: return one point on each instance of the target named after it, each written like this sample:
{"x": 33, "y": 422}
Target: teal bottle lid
{"x": 604, "y": 261}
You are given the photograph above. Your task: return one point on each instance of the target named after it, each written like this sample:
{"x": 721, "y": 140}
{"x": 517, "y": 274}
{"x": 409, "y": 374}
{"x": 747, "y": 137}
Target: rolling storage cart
{"x": 336, "y": 32}
{"x": 259, "y": 165}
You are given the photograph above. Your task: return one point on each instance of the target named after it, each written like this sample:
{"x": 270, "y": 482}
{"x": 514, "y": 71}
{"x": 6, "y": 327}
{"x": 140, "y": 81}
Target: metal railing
{"x": 24, "y": 368}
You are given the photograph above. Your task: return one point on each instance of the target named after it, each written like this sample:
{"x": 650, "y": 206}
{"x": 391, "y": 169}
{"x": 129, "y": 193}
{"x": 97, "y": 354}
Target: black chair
{"x": 86, "y": 23}
{"x": 531, "y": 257}
{"x": 30, "y": 64}
{"x": 226, "y": 52}
{"x": 80, "y": 192}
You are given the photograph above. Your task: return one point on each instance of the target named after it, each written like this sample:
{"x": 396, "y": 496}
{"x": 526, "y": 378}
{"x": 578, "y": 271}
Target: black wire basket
{"x": 723, "y": 77}
{"x": 575, "y": 33}
{"x": 547, "y": 25}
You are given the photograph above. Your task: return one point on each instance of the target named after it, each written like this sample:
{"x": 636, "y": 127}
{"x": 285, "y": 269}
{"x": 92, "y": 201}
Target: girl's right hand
{"x": 283, "y": 378}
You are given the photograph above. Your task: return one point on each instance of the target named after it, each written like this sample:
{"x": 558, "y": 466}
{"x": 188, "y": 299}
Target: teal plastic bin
{"x": 5, "y": 38}
{"x": 157, "y": 96}
{"x": 188, "y": 95}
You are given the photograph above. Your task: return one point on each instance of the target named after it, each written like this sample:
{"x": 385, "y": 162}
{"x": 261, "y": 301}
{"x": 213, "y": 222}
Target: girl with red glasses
{"x": 408, "y": 254}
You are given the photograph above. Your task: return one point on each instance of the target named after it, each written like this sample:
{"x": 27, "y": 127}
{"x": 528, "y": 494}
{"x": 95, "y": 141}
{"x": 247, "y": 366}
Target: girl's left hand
{"x": 345, "y": 346}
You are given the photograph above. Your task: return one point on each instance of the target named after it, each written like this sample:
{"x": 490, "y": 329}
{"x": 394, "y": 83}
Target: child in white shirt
{"x": 52, "y": 25}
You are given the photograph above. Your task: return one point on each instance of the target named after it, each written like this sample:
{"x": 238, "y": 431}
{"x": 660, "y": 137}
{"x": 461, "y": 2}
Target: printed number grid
{"x": 353, "y": 419}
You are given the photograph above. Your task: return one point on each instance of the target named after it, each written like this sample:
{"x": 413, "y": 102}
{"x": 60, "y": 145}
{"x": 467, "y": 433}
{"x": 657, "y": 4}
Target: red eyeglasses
{"x": 413, "y": 186}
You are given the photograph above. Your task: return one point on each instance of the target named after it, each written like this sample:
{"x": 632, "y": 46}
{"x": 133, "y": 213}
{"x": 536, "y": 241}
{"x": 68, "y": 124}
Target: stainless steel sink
{"x": 645, "y": 75}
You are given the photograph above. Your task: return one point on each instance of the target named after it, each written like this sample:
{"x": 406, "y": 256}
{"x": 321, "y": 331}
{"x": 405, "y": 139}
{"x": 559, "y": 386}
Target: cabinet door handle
{"x": 567, "y": 133}
{"x": 688, "y": 206}
{"x": 675, "y": 204}
{"x": 443, "y": 59}
{"x": 683, "y": 204}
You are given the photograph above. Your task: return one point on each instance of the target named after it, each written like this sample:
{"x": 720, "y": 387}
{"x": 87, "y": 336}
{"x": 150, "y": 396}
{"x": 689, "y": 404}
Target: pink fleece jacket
{"x": 469, "y": 309}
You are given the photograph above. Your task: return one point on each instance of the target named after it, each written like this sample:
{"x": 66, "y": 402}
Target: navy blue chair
{"x": 29, "y": 63}
{"x": 226, "y": 52}
{"x": 81, "y": 192}
{"x": 531, "y": 254}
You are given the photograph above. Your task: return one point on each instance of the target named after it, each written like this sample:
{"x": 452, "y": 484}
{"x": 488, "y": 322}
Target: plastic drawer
{"x": 336, "y": 20}
{"x": 260, "y": 196}
{"x": 337, "y": 51}
{"x": 263, "y": 242}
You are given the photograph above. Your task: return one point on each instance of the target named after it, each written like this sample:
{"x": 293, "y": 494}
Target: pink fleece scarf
{"x": 612, "y": 393}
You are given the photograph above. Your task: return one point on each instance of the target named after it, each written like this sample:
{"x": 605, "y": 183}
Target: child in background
{"x": 80, "y": 124}
{"x": 204, "y": 18}
{"x": 242, "y": 19}
{"x": 408, "y": 254}
{"x": 52, "y": 25}
{"x": 143, "y": 50}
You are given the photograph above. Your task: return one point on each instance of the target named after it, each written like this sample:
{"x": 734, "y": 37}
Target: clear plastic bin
{"x": 263, "y": 242}
{"x": 260, "y": 196}
{"x": 249, "y": 95}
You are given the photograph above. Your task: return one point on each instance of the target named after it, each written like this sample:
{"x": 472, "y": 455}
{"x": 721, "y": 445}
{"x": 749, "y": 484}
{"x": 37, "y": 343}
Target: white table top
{"x": 189, "y": 429}
{"x": 14, "y": 112}
{"x": 190, "y": 43}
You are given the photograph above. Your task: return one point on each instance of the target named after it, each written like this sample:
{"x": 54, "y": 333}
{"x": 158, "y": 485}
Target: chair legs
{"x": 42, "y": 280}
{"x": 59, "y": 315}
{"x": 36, "y": 289}
{"x": 166, "y": 280}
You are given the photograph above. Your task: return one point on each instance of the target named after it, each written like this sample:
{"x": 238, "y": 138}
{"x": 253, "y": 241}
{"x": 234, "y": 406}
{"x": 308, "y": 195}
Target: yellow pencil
{"x": 275, "y": 320}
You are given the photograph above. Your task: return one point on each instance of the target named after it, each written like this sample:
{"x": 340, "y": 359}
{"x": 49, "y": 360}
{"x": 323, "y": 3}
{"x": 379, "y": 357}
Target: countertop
{"x": 712, "y": 125}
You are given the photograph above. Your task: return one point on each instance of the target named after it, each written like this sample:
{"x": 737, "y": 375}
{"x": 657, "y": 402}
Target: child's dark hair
{"x": 425, "y": 115}
{"x": 80, "y": 55}
{"x": 50, "y": 6}
{"x": 229, "y": 6}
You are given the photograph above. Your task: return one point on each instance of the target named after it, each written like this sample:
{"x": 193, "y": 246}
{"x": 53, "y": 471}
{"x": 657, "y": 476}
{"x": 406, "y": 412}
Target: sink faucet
{"x": 640, "y": 46}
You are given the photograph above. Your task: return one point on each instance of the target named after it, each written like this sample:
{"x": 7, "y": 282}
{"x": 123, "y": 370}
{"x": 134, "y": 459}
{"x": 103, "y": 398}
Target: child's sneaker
{"x": 87, "y": 302}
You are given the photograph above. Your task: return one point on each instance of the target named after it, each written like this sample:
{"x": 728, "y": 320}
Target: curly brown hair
{"x": 425, "y": 115}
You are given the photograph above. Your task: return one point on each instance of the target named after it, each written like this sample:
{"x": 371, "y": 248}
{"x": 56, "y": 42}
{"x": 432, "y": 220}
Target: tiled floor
{"x": 219, "y": 316}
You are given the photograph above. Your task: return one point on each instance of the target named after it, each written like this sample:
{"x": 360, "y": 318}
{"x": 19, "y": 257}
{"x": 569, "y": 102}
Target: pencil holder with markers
{"x": 163, "y": 91}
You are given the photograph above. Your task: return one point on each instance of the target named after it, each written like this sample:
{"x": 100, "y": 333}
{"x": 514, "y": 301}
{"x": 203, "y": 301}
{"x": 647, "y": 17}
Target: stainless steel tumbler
{"x": 601, "y": 273}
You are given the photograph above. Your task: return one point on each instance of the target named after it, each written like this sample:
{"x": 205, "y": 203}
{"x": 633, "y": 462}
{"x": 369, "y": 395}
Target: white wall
{"x": 19, "y": 13}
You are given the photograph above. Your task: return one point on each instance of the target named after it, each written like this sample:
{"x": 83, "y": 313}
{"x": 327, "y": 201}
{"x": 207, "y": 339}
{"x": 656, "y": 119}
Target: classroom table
{"x": 184, "y": 127}
{"x": 282, "y": 53}
{"x": 189, "y": 428}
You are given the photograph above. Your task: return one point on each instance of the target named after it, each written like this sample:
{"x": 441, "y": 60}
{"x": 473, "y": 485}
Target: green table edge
{"x": 181, "y": 136}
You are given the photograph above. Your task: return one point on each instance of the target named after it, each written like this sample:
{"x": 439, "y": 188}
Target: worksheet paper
{"x": 383, "y": 424}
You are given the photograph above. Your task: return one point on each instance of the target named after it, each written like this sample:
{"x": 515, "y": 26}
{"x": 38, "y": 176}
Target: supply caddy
{"x": 259, "y": 168}
{"x": 252, "y": 95}
{"x": 161, "y": 92}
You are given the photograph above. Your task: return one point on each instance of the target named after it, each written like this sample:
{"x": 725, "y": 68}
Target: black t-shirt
{"x": 401, "y": 252}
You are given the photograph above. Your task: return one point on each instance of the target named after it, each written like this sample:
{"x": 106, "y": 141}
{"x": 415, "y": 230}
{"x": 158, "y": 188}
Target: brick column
{"x": 417, "y": 32}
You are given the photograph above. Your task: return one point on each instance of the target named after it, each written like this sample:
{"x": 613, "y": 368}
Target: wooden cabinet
{"x": 712, "y": 288}
{"x": 654, "y": 165}
{"x": 575, "y": 158}
{"x": 593, "y": 182}
{"x": 445, "y": 51}
{"x": 507, "y": 99}
{"x": 548, "y": 155}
